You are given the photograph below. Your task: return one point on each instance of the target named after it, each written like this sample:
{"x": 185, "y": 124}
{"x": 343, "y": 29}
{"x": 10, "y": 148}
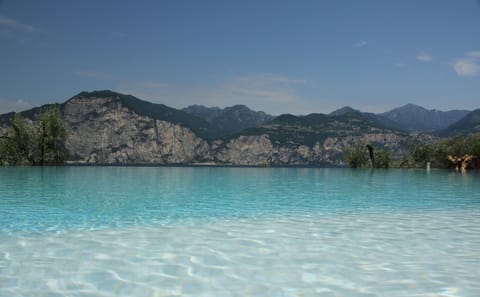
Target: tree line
{"x": 41, "y": 143}
{"x": 363, "y": 155}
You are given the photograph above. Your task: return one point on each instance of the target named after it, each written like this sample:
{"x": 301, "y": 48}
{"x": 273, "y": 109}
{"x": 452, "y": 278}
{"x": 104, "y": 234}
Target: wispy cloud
{"x": 263, "y": 88}
{"x": 360, "y": 43}
{"x": 14, "y": 25}
{"x": 93, "y": 74}
{"x": 399, "y": 65}
{"x": 469, "y": 65}
{"x": 272, "y": 93}
{"x": 13, "y": 105}
{"x": 423, "y": 56}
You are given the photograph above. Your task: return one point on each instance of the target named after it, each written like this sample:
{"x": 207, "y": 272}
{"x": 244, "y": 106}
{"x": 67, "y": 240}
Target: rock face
{"x": 259, "y": 150}
{"x": 102, "y": 130}
{"x": 315, "y": 139}
{"x": 111, "y": 128}
{"x": 246, "y": 150}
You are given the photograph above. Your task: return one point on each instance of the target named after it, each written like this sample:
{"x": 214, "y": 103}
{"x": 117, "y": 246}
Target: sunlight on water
{"x": 238, "y": 232}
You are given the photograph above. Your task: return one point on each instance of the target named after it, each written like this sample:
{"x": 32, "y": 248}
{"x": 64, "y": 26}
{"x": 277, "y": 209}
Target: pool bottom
{"x": 433, "y": 253}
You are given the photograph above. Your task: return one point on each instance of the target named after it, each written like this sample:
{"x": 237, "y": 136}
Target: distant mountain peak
{"x": 412, "y": 105}
{"x": 200, "y": 106}
{"x": 99, "y": 93}
{"x": 229, "y": 120}
{"x": 344, "y": 110}
{"x": 412, "y": 117}
{"x": 470, "y": 123}
{"x": 239, "y": 107}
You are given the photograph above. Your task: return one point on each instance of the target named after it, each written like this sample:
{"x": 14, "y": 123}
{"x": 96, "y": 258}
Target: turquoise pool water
{"x": 150, "y": 231}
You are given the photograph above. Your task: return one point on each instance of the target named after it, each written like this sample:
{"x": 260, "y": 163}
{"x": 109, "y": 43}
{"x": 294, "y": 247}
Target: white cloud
{"x": 11, "y": 24}
{"x": 469, "y": 65}
{"x": 13, "y": 105}
{"x": 466, "y": 67}
{"x": 361, "y": 43}
{"x": 424, "y": 57}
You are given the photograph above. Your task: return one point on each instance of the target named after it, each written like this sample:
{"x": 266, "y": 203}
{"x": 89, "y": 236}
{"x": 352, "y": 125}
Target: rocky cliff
{"x": 110, "y": 128}
{"x": 315, "y": 139}
{"x": 260, "y": 150}
{"x": 102, "y": 130}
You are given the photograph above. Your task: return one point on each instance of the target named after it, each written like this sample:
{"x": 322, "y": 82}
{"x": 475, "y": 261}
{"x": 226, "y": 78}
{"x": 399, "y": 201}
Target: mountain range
{"x": 409, "y": 117}
{"x": 229, "y": 120}
{"x": 106, "y": 127}
{"x": 412, "y": 117}
{"x": 466, "y": 125}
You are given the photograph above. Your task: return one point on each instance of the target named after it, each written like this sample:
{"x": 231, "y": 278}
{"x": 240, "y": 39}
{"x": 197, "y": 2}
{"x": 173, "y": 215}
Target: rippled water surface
{"x": 128, "y": 231}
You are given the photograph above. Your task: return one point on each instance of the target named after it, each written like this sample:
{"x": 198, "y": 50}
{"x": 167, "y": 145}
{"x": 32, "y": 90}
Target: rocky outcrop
{"x": 103, "y": 131}
{"x": 259, "y": 150}
{"x": 110, "y": 128}
{"x": 246, "y": 150}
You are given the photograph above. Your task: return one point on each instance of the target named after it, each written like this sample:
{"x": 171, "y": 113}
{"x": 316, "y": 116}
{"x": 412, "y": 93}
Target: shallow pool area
{"x": 161, "y": 231}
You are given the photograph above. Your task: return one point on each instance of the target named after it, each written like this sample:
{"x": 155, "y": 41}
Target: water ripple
{"x": 403, "y": 254}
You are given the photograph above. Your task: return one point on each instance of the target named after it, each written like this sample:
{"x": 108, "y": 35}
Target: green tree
{"x": 356, "y": 156}
{"x": 24, "y": 140}
{"x": 473, "y": 144}
{"x": 437, "y": 152}
{"x": 17, "y": 146}
{"x": 421, "y": 154}
{"x": 52, "y": 136}
{"x": 476, "y": 149}
{"x": 7, "y": 150}
{"x": 24, "y": 145}
{"x": 382, "y": 158}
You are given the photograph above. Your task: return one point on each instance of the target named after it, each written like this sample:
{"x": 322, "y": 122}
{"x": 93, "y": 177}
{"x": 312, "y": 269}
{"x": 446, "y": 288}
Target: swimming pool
{"x": 166, "y": 231}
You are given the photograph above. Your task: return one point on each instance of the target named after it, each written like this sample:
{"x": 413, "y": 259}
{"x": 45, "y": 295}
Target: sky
{"x": 278, "y": 56}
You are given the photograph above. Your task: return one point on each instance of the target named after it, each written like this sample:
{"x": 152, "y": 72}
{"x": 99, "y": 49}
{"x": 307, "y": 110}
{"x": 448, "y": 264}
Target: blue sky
{"x": 278, "y": 56}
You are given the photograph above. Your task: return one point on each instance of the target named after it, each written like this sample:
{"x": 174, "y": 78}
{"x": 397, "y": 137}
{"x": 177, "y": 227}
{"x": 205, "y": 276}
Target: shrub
{"x": 356, "y": 156}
